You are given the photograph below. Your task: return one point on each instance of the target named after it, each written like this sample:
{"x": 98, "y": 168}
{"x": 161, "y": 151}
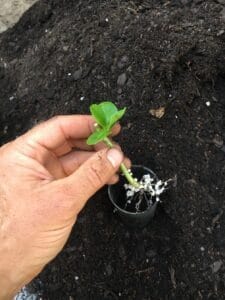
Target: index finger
{"x": 57, "y": 133}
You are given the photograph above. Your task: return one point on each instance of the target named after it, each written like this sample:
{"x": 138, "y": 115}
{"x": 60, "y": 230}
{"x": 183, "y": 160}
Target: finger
{"x": 82, "y": 143}
{"x": 73, "y": 160}
{"x": 102, "y": 145}
{"x": 127, "y": 162}
{"x": 116, "y": 129}
{"x": 54, "y": 134}
{"x": 114, "y": 179}
{"x": 57, "y": 133}
{"x": 89, "y": 177}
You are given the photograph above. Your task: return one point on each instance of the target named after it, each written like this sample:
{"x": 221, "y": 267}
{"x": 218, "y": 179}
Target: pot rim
{"x": 129, "y": 212}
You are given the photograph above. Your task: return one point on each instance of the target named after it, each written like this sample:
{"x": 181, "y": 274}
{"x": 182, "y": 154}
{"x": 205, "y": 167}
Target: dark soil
{"x": 143, "y": 55}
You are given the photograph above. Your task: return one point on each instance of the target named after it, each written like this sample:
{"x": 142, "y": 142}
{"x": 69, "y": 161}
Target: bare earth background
{"x": 11, "y": 11}
{"x": 64, "y": 55}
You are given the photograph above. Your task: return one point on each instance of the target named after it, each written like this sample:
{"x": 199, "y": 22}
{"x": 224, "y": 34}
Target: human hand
{"x": 44, "y": 184}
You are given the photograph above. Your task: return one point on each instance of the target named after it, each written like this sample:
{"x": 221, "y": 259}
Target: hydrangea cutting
{"x": 148, "y": 188}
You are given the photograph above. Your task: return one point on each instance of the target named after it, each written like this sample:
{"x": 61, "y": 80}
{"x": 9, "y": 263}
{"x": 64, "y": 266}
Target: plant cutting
{"x": 137, "y": 193}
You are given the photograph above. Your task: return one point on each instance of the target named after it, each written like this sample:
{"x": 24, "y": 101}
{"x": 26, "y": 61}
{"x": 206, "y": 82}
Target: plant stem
{"x": 123, "y": 168}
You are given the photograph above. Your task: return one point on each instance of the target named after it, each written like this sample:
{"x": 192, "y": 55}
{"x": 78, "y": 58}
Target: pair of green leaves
{"x": 106, "y": 115}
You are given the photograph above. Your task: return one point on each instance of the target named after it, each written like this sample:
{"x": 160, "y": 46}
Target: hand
{"x": 44, "y": 184}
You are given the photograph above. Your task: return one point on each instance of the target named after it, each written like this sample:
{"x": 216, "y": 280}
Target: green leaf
{"x": 116, "y": 117}
{"x": 97, "y": 136}
{"x": 97, "y": 114}
{"x": 108, "y": 109}
{"x": 106, "y": 115}
{"x": 103, "y": 112}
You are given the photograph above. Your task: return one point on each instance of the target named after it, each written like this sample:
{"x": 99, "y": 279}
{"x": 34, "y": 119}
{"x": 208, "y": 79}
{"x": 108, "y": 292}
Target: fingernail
{"x": 115, "y": 157}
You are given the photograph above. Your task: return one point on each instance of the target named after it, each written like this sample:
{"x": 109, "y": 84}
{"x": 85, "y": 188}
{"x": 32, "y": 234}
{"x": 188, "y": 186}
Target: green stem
{"x": 123, "y": 168}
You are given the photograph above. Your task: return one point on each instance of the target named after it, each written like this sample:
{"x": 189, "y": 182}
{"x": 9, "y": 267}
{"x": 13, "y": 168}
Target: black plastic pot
{"x": 117, "y": 195}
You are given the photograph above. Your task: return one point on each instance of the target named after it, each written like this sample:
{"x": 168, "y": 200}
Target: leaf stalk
{"x": 123, "y": 168}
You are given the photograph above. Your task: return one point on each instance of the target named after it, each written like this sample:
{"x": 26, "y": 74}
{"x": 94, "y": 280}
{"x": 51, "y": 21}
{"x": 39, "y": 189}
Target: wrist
{"x": 8, "y": 287}
{"x": 13, "y": 279}
{"x": 10, "y": 277}
{"x": 16, "y": 267}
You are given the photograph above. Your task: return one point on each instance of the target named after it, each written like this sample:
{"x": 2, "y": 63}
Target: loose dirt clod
{"x": 158, "y": 113}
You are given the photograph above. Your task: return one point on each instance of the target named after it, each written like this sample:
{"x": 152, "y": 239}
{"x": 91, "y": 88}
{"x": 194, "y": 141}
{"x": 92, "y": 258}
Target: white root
{"x": 149, "y": 188}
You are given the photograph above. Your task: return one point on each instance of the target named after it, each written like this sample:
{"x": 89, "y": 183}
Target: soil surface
{"x": 145, "y": 55}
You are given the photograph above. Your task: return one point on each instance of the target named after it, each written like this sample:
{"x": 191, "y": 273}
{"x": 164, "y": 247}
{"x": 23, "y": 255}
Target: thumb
{"x": 91, "y": 176}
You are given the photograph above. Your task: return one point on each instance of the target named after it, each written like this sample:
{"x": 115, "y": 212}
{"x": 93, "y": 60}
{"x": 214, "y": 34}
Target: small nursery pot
{"x": 117, "y": 195}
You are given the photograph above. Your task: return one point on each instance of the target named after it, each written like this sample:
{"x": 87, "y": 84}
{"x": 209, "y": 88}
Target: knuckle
{"x": 99, "y": 172}
{"x": 55, "y": 118}
{"x": 95, "y": 177}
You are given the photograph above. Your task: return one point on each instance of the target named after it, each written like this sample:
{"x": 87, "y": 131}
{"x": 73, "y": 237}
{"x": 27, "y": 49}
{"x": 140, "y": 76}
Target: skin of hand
{"x": 46, "y": 177}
